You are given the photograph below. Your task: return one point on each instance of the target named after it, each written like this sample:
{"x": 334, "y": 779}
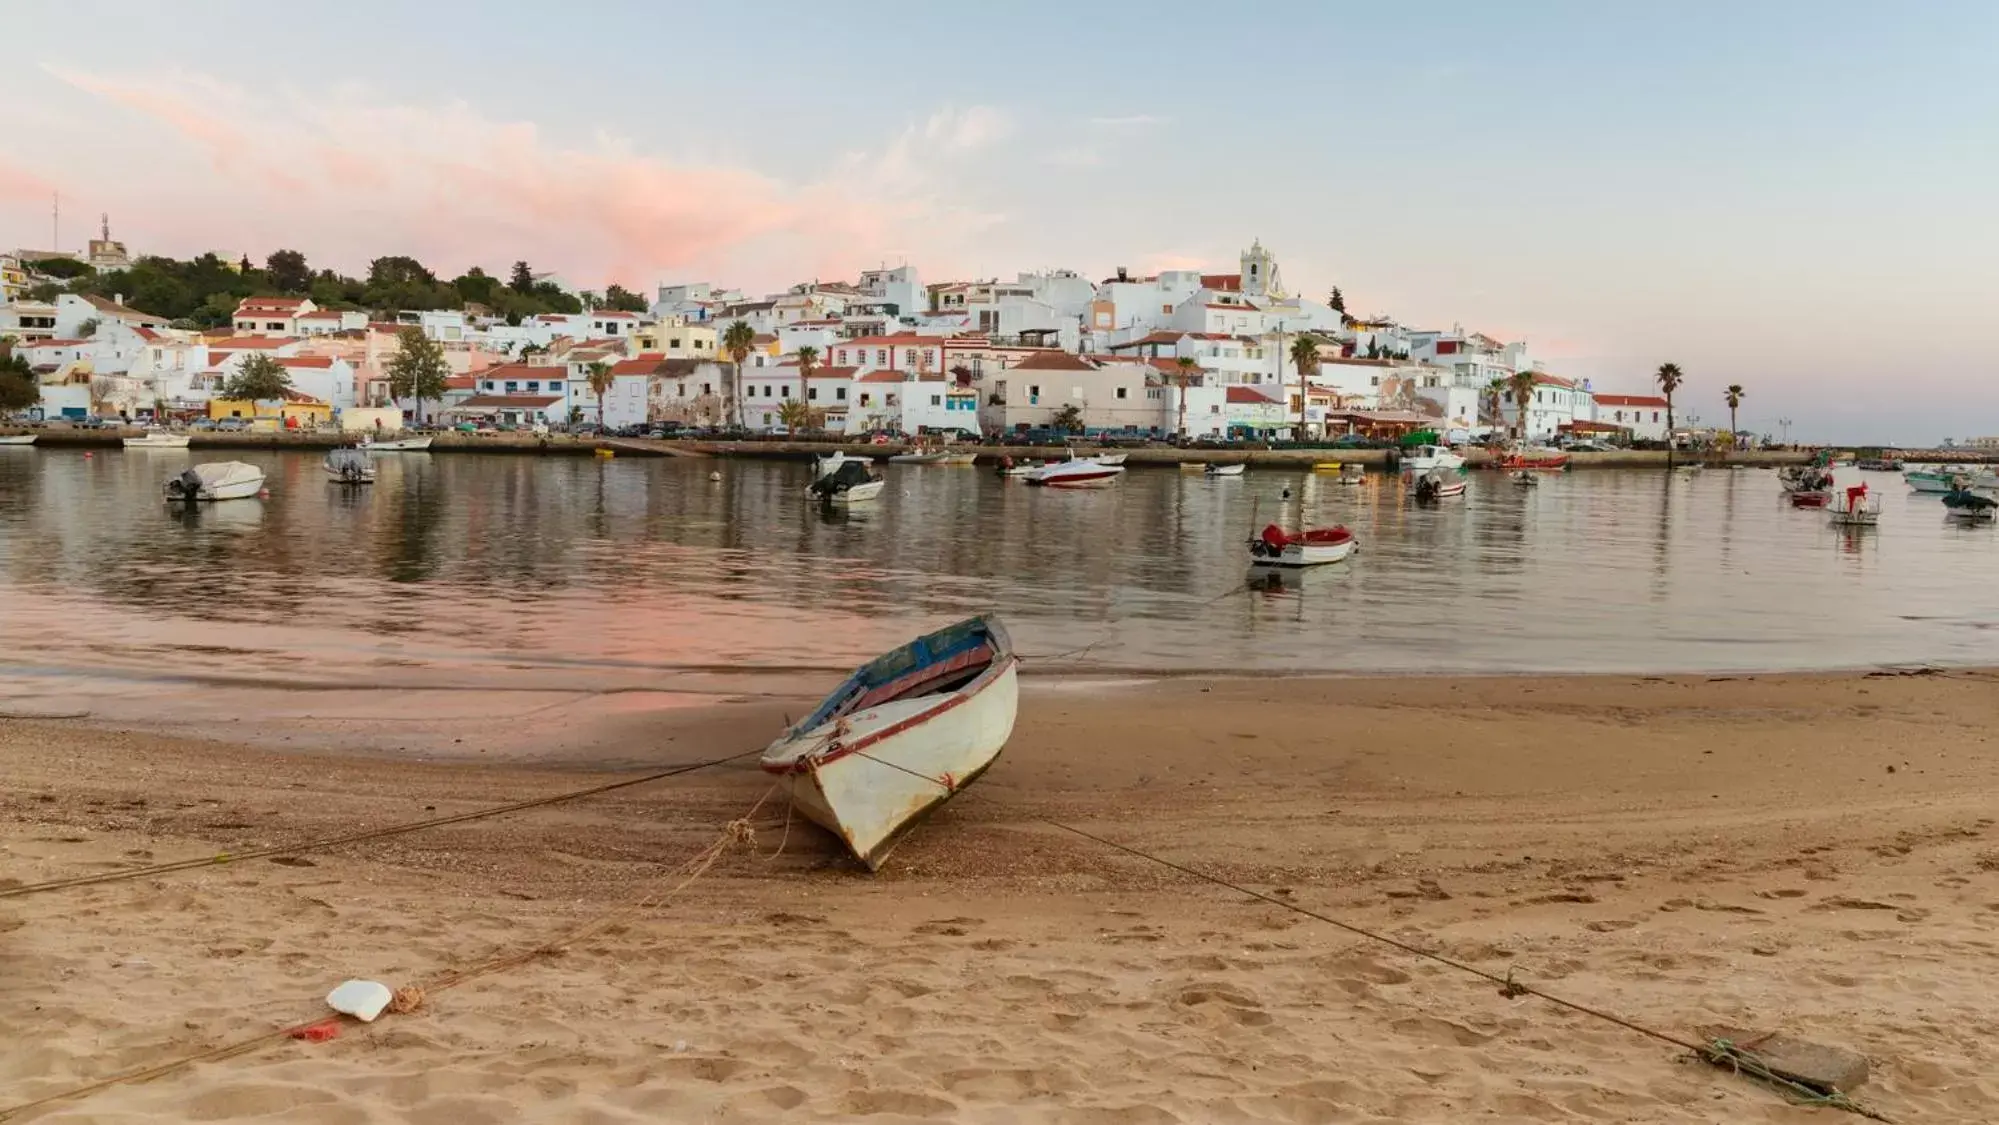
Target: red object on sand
{"x": 319, "y": 1032}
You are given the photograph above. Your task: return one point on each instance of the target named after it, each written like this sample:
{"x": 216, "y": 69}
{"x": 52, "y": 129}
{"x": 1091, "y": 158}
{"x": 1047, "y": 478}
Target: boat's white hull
{"x": 917, "y": 459}
{"x": 1109, "y": 458}
{"x": 219, "y": 481}
{"x": 859, "y": 494}
{"x": 1307, "y": 554}
{"x": 338, "y": 477}
{"x": 1450, "y": 464}
{"x": 1225, "y": 470}
{"x": 960, "y": 459}
{"x": 1024, "y": 470}
{"x": 398, "y": 445}
{"x": 1927, "y": 482}
{"x": 157, "y": 441}
{"x": 1077, "y": 474}
{"x": 899, "y": 761}
{"x": 18, "y": 439}
{"x": 1455, "y": 486}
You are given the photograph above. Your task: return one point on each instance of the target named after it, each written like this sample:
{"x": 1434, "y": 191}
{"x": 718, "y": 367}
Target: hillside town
{"x": 1178, "y": 354}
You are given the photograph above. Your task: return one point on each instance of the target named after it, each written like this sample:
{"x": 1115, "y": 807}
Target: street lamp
{"x": 1784, "y": 424}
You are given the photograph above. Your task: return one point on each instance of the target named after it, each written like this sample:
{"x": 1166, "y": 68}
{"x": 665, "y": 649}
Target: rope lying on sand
{"x": 411, "y": 997}
{"x": 359, "y": 837}
{"x": 1718, "y": 1052}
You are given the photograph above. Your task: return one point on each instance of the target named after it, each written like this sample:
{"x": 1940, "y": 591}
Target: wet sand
{"x": 1816, "y": 854}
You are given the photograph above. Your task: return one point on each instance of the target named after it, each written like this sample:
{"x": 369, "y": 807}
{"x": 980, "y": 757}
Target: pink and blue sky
{"x": 1794, "y": 196}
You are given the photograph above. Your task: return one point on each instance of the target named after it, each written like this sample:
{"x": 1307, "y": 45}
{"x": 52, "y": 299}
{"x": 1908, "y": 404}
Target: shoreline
{"x": 1813, "y": 853}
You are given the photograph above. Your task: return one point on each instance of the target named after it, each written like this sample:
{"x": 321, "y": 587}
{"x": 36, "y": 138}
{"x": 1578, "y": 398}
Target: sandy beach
{"x": 1813, "y": 854}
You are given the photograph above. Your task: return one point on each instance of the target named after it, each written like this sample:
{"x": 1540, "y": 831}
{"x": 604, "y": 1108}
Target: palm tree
{"x": 1495, "y": 398}
{"x": 1186, "y": 366}
{"x": 600, "y": 385}
{"x": 737, "y": 340}
{"x": 1733, "y": 396}
{"x": 1669, "y": 380}
{"x": 1305, "y": 356}
{"x": 808, "y": 358}
{"x": 1522, "y": 385}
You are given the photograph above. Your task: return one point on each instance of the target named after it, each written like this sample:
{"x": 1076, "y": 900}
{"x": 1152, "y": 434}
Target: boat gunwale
{"x": 1003, "y": 661}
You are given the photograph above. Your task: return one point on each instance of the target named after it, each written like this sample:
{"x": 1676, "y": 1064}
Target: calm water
{"x": 528, "y": 572}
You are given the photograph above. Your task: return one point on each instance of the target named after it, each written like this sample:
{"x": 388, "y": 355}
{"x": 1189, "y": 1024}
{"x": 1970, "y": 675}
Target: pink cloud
{"x": 455, "y": 188}
{"x": 19, "y": 184}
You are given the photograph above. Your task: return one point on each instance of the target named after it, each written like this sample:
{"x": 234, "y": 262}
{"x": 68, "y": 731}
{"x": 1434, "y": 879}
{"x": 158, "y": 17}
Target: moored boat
{"x": 1328, "y": 467}
{"x": 1357, "y": 474}
{"x": 1525, "y": 478}
{"x": 398, "y": 445}
{"x": 960, "y": 457}
{"x": 1436, "y": 484}
{"x": 1879, "y": 464}
{"x": 349, "y": 466}
{"x": 1968, "y": 506}
{"x": 933, "y": 457}
{"x": 17, "y": 439}
{"x": 1008, "y": 467}
{"x": 1810, "y": 498}
{"x": 850, "y": 482}
{"x": 1312, "y": 547}
{"x": 157, "y": 439}
{"x": 1077, "y": 472}
{"x": 1534, "y": 457}
{"x": 1853, "y": 506}
{"x": 1423, "y": 458}
{"x": 1233, "y": 469}
{"x": 1930, "y": 480}
{"x": 216, "y": 480}
{"x": 1108, "y": 458}
{"x": 902, "y": 735}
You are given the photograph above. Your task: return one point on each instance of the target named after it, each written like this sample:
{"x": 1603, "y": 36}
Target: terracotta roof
{"x": 118, "y": 310}
{"x": 1237, "y": 308}
{"x": 645, "y": 364}
{"x": 321, "y": 314}
{"x": 1631, "y": 400}
{"x": 529, "y": 402}
{"x": 1162, "y": 337}
{"x": 833, "y": 373}
{"x": 902, "y": 341}
{"x": 1054, "y": 361}
{"x": 461, "y": 382}
{"x": 1543, "y": 379}
{"x": 1248, "y": 396}
{"x": 881, "y": 377}
{"x": 1222, "y": 282}
{"x": 269, "y": 304}
{"x": 147, "y": 334}
{"x": 1349, "y": 361}
{"x": 524, "y": 371}
{"x": 54, "y": 343}
{"x": 613, "y": 314}
{"x": 301, "y": 399}
{"x": 305, "y": 361}
{"x": 253, "y": 343}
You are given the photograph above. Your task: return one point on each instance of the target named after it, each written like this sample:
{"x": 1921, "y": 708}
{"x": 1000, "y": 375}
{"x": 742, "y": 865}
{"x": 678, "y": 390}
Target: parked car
{"x": 232, "y": 425}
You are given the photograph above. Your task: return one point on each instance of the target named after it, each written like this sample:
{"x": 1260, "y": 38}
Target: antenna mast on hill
{"x": 55, "y": 221}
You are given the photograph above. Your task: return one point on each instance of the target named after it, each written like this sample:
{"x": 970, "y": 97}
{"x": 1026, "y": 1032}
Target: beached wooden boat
{"x": 1312, "y": 547}
{"x": 901, "y": 736}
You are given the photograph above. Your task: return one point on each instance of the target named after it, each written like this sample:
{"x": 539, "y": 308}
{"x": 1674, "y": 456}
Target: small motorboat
{"x": 1854, "y": 507}
{"x": 216, "y": 480}
{"x": 902, "y": 735}
{"x": 1423, "y": 458}
{"x": 830, "y": 464}
{"x": 1008, "y": 467}
{"x": 933, "y": 457}
{"x": 1534, "y": 457}
{"x": 1193, "y": 467}
{"x": 1878, "y": 464}
{"x": 1313, "y": 547}
{"x": 17, "y": 439}
{"x": 1435, "y": 485}
{"x": 1357, "y": 474}
{"x": 398, "y": 445}
{"x": 1967, "y": 506}
{"x": 959, "y": 457}
{"x": 1108, "y": 458}
{"x": 1233, "y": 469}
{"x": 1077, "y": 472}
{"x": 349, "y": 466}
{"x": 1526, "y": 478}
{"x": 1815, "y": 498}
{"x": 157, "y": 439}
{"x": 851, "y": 482}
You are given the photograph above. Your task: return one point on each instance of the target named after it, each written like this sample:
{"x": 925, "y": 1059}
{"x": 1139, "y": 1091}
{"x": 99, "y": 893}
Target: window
{"x": 488, "y": 385}
{"x": 881, "y": 357}
{"x": 1033, "y": 392}
{"x": 706, "y": 389}
{"x": 512, "y": 386}
{"x": 534, "y": 385}
{"x": 840, "y": 393}
{"x": 812, "y": 393}
{"x": 1121, "y": 393}
{"x": 1215, "y": 409}
{"x": 275, "y": 325}
{"x": 1166, "y": 308}
{"x": 936, "y": 400}
{"x": 1655, "y": 416}
{"x": 866, "y": 399}
{"x": 909, "y": 357}
{"x": 673, "y": 343}
{"x": 1374, "y": 380}
{"x": 156, "y": 355}
{"x": 783, "y": 392}
{"x": 555, "y": 386}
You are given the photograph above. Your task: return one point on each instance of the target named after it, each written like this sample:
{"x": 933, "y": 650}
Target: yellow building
{"x": 676, "y": 338}
{"x": 13, "y": 278}
{"x": 271, "y": 414}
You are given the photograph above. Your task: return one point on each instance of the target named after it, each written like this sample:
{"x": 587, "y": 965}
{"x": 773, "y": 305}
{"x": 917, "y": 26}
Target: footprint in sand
{"x": 948, "y": 927}
{"x": 906, "y": 1103}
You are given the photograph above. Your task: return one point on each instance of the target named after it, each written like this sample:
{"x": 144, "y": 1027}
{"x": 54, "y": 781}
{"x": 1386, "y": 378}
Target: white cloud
{"x": 1130, "y": 121}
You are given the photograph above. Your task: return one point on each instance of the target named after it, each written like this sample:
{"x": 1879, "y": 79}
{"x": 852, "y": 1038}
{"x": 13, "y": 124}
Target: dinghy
{"x": 1312, "y": 547}
{"x": 17, "y": 439}
{"x": 349, "y": 466}
{"x": 1232, "y": 469}
{"x": 850, "y": 482}
{"x": 398, "y": 445}
{"x": 901, "y": 736}
{"x": 157, "y": 439}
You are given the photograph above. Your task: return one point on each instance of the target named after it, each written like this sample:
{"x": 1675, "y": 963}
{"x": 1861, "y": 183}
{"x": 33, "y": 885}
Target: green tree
{"x": 1183, "y": 370}
{"x": 522, "y": 279}
{"x": 259, "y": 379}
{"x": 1068, "y": 420}
{"x": 796, "y": 416}
{"x": 621, "y": 299}
{"x": 1495, "y": 396}
{"x": 287, "y": 272}
{"x": 600, "y": 381}
{"x": 1669, "y": 378}
{"x": 808, "y": 358}
{"x": 737, "y": 340}
{"x": 1337, "y": 301}
{"x": 1305, "y": 357}
{"x": 64, "y": 269}
{"x": 19, "y": 389}
{"x": 44, "y": 291}
{"x": 1733, "y": 396}
{"x": 476, "y": 285}
{"x": 417, "y": 370}
{"x": 88, "y": 328}
{"x": 1522, "y": 385}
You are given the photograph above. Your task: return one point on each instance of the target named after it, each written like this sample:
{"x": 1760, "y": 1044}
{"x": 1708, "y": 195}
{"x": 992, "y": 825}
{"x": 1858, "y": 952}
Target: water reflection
{"x": 519, "y": 568}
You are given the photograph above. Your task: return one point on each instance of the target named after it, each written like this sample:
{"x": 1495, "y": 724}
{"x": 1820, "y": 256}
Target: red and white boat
{"x": 1534, "y": 458}
{"x": 1313, "y": 547}
{"x": 1077, "y": 472}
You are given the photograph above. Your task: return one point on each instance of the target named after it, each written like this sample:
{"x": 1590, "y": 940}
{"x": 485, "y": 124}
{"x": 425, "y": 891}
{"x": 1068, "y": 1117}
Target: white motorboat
{"x": 830, "y": 464}
{"x": 398, "y": 445}
{"x": 1931, "y": 480}
{"x": 349, "y": 466}
{"x": 1437, "y": 484}
{"x": 850, "y": 481}
{"x": 905, "y": 733}
{"x": 1313, "y": 547}
{"x": 216, "y": 480}
{"x": 933, "y": 457}
{"x": 157, "y": 439}
{"x": 1109, "y": 458}
{"x": 959, "y": 457}
{"x": 1231, "y": 470}
{"x": 1423, "y": 458}
{"x": 1077, "y": 472}
{"x": 1023, "y": 469}
{"x": 17, "y": 439}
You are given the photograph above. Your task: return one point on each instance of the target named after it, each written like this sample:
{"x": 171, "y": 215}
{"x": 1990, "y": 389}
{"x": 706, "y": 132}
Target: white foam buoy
{"x": 715, "y": 476}
{"x": 362, "y": 999}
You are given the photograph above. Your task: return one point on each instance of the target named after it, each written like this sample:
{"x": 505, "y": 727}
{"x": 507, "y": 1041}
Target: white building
{"x": 326, "y": 322}
{"x": 899, "y": 287}
{"x": 270, "y": 316}
{"x": 1643, "y": 415}
{"x": 1557, "y": 402}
